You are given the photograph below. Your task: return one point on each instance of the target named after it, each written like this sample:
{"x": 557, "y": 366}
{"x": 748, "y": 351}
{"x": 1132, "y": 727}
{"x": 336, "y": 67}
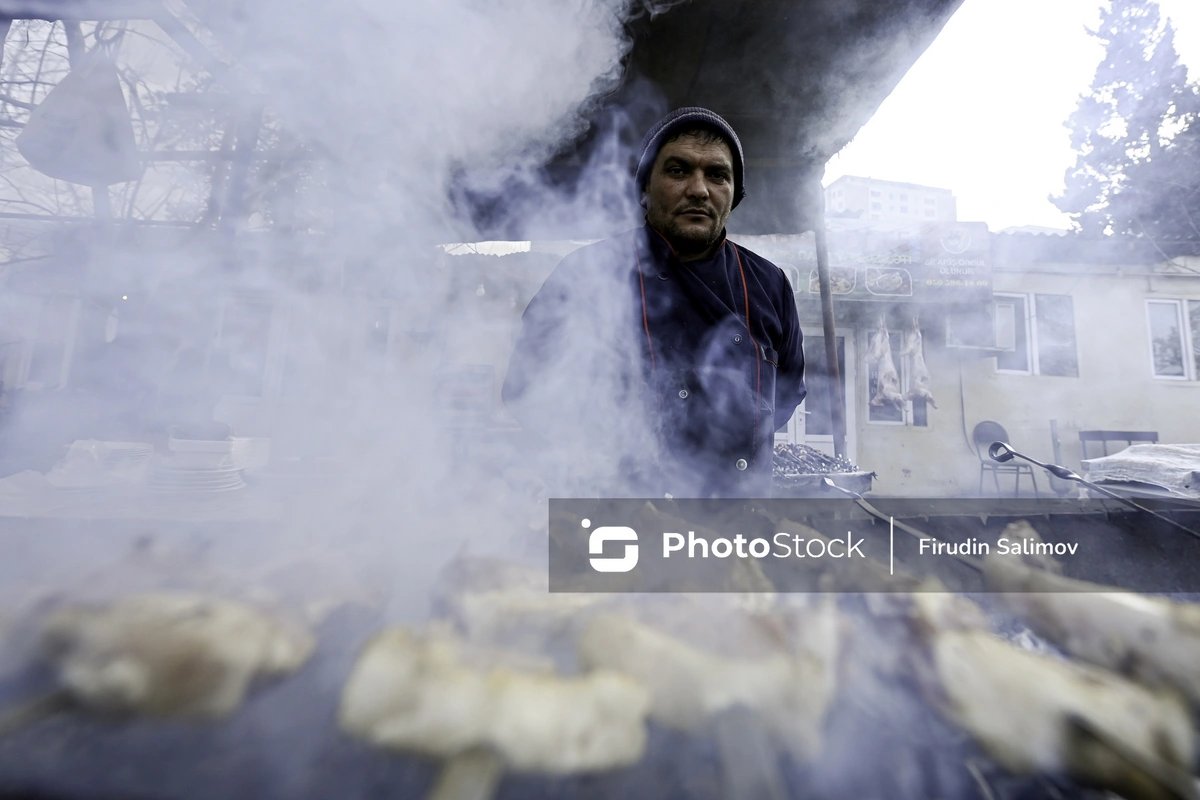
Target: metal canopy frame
{"x": 232, "y": 206}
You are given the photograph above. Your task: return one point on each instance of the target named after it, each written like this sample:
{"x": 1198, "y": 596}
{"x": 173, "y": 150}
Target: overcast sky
{"x": 982, "y": 112}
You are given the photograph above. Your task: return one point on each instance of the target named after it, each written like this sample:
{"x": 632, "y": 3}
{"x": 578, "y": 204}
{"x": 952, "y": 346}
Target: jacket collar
{"x": 659, "y": 249}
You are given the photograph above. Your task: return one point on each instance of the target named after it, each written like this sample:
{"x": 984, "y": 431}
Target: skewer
{"x": 973, "y": 563}
{"x": 31, "y": 711}
{"x": 472, "y": 775}
{"x": 977, "y": 774}
{"x": 1179, "y": 782}
{"x": 749, "y": 761}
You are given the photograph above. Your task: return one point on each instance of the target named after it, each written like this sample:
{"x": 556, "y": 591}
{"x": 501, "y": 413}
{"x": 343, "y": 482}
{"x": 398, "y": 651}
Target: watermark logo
{"x": 596, "y": 541}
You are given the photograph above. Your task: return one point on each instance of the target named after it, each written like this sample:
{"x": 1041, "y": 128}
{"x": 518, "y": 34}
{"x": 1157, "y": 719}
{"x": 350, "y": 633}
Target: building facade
{"x": 889, "y": 201}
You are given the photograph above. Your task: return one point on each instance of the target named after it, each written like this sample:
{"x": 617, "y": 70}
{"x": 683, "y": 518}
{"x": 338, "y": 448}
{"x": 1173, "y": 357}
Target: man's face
{"x": 689, "y": 193}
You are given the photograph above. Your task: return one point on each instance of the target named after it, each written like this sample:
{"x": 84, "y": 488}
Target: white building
{"x": 889, "y": 201}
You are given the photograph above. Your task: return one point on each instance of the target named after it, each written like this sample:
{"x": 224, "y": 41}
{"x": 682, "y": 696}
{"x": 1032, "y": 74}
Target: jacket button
{"x": 662, "y": 276}
{"x": 737, "y": 338}
{"x": 683, "y": 393}
{"x": 741, "y": 464}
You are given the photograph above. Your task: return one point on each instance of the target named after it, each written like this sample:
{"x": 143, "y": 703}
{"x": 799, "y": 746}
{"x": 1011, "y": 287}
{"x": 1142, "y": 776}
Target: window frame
{"x": 1032, "y": 345}
{"x": 1187, "y": 341}
{"x": 1030, "y": 334}
{"x": 1035, "y": 344}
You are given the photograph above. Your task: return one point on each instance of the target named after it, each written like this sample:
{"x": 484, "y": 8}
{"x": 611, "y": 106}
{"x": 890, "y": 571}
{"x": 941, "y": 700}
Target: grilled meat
{"x": 170, "y": 655}
{"x": 1037, "y": 714}
{"x": 790, "y": 688}
{"x": 430, "y": 695}
{"x": 1152, "y": 639}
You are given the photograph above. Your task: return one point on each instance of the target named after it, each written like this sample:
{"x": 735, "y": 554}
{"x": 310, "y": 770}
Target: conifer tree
{"x": 1137, "y": 136}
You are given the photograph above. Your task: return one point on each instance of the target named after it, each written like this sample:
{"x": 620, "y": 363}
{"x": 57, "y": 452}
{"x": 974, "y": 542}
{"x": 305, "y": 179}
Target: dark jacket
{"x": 709, "y": 352}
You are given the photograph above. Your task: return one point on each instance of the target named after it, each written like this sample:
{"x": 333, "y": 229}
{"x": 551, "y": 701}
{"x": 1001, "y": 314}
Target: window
{"x": 877, "y": 206}
{"x": 1038, "y": 331}
{"x": 876, "y": 193}
{"x": 930, "y": 213}
{"x": 904, "y": 198}
{"x": 903, "y": 209}
{"x": 929, "y": 201}
{"x": 50, "y": 362}
{"x": 1174, "y": 338}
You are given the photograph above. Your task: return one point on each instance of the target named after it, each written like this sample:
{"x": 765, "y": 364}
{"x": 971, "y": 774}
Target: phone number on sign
{"x": 940, "y": 282}
{"x": 955, "y": 262}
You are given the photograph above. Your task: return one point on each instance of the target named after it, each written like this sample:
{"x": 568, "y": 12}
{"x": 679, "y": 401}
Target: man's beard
{"x": 689, "y": 241}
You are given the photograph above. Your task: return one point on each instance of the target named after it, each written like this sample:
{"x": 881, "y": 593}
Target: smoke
{"x": 333, "y": 326}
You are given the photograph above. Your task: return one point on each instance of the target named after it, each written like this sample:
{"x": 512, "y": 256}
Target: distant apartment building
{"x": 889, "y": 201}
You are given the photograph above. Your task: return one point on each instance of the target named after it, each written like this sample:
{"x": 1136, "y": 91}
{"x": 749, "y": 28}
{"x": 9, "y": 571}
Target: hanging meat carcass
{"x": 888, "y": 383}
{"x": 918, "y": 375}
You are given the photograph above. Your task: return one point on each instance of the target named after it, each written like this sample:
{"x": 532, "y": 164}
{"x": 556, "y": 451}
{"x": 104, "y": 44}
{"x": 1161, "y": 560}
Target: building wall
{"x": 1115, "y": 388}
{"x": 890, "y": 200}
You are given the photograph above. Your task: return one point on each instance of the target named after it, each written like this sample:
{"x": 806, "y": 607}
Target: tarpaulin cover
{"x": 1174, "y": 467}
{"x": 82, "y": 132}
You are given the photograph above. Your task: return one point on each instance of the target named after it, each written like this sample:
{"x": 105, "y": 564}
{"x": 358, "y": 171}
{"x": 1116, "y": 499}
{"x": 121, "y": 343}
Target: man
{"x": 669, "y": 348}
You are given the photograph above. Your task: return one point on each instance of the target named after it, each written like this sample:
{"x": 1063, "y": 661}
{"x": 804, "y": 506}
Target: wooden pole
{"x": 837, "y": 402}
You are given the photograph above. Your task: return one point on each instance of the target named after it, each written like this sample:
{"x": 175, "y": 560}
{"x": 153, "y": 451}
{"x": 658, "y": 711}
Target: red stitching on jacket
{"x": 758, "y": 356}
{"x": 645, "y": 317}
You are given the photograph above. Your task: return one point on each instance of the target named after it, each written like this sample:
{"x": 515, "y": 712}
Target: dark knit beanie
{"x": 688, "y": 117}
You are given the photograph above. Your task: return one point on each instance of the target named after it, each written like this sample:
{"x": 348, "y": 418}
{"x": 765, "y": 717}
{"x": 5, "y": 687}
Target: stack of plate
{"x": 167, "y": 476}
{"x": 127, "y": 454}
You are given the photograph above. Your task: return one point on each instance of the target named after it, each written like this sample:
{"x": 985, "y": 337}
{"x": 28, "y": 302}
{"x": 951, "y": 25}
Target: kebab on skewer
{"x": 483, "y": 711}
{"x": 494, "y": 602}
{"x": 1151, "y": 639}
{"x": 162, "y": 655}
{"x": 754, "y": 682}
{"x": 1038, "y": 714}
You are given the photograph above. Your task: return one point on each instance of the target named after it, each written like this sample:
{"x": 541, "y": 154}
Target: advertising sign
{"x": 947, "y": 262}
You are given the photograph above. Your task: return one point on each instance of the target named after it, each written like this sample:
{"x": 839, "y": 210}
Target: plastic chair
{"x": 985, "y": 433}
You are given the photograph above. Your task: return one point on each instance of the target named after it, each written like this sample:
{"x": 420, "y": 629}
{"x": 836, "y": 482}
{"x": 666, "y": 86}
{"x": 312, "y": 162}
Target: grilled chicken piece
{"x": 494, "y": 601}
{"x": 170, "y": 655}
{"x": 888, "y": 382}
{"x": 435, "y": 696}
{"x": 918, "y": 376}
{"x": 790, "y": 688}
{"x": 1151, "y": 639}
{"x": 1038, "y": 714}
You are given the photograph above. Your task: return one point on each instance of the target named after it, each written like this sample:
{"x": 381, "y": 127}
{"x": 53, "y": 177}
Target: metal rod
{"x": 861, "y": 502}
{"x": 837, "y": 403}
{"x": 1002, "y": 452}
{"x": 5, "y": 25}
{"x": 1178, "y": 781}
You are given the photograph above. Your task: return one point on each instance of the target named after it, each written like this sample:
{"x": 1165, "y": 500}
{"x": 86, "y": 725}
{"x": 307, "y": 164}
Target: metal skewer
{"x": 1003, "y": 451}
{"x": 828, "y": 483}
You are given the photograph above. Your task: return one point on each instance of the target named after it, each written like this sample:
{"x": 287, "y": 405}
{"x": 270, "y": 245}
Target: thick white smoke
{"x": 393, "y": 102}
